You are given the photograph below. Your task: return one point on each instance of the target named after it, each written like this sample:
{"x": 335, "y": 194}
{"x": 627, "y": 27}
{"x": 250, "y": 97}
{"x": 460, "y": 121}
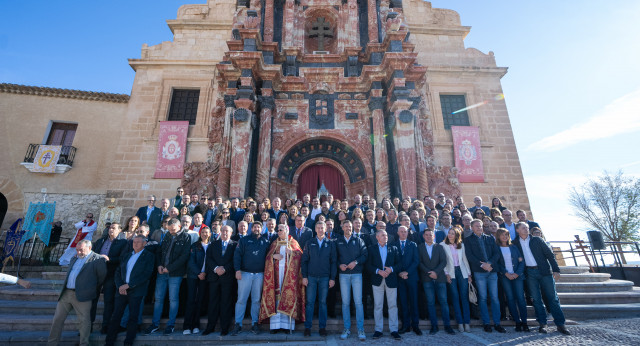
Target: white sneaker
{"x": 186, "y": 332}
{"x": 361, "y": 335}
{"x": 345, "y": 334}
{"x": 195, "y": 331}
{"x": 461, "y": 327}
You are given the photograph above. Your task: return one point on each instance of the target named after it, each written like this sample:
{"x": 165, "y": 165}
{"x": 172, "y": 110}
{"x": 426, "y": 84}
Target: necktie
{"x": 483, "y": 248}
{"x": 402, "y": 246}
{"x": 215, "y": 236}
{"x": 298, "y": 233}
{"x": 224, "y": 247}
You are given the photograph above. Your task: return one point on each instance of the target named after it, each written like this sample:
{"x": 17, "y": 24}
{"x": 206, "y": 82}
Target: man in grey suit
{"x": 86, "y": 272}
{"x": 433, "y": 259}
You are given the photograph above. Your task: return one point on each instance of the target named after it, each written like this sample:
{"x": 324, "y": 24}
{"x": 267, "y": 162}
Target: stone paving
{"x": 594, "y": 332}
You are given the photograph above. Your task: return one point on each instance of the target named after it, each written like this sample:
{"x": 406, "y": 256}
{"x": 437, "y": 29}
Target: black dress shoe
{"x": 403, "y": 330}
{"x": 518, "y": 327}
{"x": 499, "y": 328}
{"x": 487, "y": 328}
{"x": 377, "y": 335}
{"x": 323, "y": 332}
{"x": 273, "y": 331}
{"x": 449, "y": 330}
{"x": 307, "y": 332}
{"x": 104, "y": 330}
{"x": 433, "y": 330}
{"x": 543, "y": 329}
{"x": 417, "y": 330}
{"x": 525, "y": 328}
{"x": 208, "y": 331}
{"x": 224, "y": 332}
{"x": 563, "y": 330}
{"x": 396, "y": 336}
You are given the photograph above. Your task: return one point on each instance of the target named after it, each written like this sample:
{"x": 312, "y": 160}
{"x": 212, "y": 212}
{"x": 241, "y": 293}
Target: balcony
{"x": 64, "y": 164}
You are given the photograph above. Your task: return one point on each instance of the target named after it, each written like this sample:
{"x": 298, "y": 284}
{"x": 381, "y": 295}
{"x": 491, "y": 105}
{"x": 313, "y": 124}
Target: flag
{"x": 38, "y": 220}
{"x": 172, "y": 148}
{"x": 12, "y": 241}
{"x": 468, "y": 154}
{"x": 46, "y": 158}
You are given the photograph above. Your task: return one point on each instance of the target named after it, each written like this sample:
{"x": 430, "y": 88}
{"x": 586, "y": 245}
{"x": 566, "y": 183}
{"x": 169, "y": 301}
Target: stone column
{"x": 376, "y": 103}
{"x": 404, "y": 140}
{"x": 373, "y": 22}
{"x": 225, "y": 165}
{"x": 288, "y": 30}
{"x": 264, "y": 146}
{"x": 353, "y": 40}
{"x": 241, "y": 146}
{"x": 268, "y": 21}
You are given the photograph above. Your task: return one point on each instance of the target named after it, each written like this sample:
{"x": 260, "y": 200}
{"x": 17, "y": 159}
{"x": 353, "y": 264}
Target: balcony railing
{"x": 67, "y": 154}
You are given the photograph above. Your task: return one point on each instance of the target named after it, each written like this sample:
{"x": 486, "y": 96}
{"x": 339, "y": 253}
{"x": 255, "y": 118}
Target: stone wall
{"x": 70, "y": 208}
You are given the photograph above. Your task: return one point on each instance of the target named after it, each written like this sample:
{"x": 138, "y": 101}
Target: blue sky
{"x": 572, "y": 90}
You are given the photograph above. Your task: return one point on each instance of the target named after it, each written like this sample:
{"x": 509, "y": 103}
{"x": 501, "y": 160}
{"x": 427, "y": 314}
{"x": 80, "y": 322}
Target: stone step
{"x": 605, "y": 286}
{"x": 46, "y": 283}
{"x": 54, "y": 275}
{"x": 585, "y": 277}
{"x": 32, "y": 308}
{"x": 16, "y": 293}
{"x": 595, "y": 298}
{"x": 30, "y": 272}
{"x": 573, "y": 270}
{"x": 598, "y": 311}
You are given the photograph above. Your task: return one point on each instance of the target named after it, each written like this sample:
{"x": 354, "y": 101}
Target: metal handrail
{"x": 613, "y": 249}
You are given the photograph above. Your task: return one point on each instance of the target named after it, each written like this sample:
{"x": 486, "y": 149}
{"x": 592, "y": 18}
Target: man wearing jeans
{"x": 352, "y": 254}
{"x": 540, "y": 262}
{"x": 248, "y": 260}
{"x": 171, "y": 262}
{"x": 318, "y": 274}
{"x": 483, "y": 253}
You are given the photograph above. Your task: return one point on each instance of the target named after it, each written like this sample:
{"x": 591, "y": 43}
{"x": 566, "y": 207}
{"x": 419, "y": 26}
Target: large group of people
{"x": 292, "y": 259}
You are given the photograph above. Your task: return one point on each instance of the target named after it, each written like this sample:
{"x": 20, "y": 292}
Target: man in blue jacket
{"x": 408, "y": 282}
{"x": 248, "y": 262}
{"x": 540, "y": 262}
{"x": 319, "y": 271}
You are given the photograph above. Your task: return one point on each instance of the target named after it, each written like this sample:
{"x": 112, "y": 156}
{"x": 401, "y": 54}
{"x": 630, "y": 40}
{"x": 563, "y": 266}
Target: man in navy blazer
{"x": 146, "y": 214}
{"x": 132, "y": 280}
{"x": 541, "y": 270}
{"x": 408, "y": 282}
{"x": 384, "y": 263}
{"x": 221, "y": 277}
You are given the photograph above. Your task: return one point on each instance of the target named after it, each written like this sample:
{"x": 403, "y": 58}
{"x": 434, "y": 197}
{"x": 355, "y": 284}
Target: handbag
{"x": 473, "y": 294}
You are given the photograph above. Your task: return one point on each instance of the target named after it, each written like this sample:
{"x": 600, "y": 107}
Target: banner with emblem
{"x": 38, "y": 220}
{"x": 172, "y": 147}
{"x": 111, "y": 214}
{"x": 468, "y": 154}
{"x": 12, "y": 242}
{"x": 46, "y": 158}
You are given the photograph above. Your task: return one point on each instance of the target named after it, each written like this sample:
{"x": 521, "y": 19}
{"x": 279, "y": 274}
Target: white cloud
{"x": 620, "y": 116}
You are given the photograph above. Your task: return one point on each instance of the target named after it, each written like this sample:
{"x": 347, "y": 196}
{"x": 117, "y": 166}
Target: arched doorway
{"x": 4, "y": 206}
{"x": 311, "y": 179}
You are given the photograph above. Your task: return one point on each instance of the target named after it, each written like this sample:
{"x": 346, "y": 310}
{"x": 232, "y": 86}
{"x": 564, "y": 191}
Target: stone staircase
{"x": 583, "y": 295}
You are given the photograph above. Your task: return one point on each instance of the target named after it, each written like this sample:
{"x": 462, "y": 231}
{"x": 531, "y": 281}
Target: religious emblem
{"x": 46, "y": 158}
{"x": 39, "y": 217}
{"x": 467, "y": 152}
{"x": 171, "y": 149}
{"x": 322, "y": 31}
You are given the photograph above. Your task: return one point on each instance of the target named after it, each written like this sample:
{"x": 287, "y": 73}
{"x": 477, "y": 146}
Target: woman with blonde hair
{"x": 131, "y": 227}
{"x": 458, "y": 277}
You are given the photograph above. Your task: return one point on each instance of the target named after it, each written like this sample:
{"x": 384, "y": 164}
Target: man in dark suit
{"x": 110, "y": 248}
{"x": 211, "y": 213}
{"x": 384, "y": 263}
{"x": 86, "y": 271}
{"x": 132, "y": 280}
{"x": 433, "y": 259}
{"x": 301, "y": 233}
{"x": 235, "y": 212}
{"x": 145, "y": 213}
{"x": 408, "y": 282}
{"x": 155, "y": 221}
{"x": 522, "y": 217}
{"x": 541, "y": 271}
{"x": 221, "y": 277}
{"x": 483, "y": 253}
{"x": 275, "y": 211}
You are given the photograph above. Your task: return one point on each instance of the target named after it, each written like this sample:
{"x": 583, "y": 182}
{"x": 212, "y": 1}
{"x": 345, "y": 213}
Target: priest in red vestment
{"x": 283, "y": 295}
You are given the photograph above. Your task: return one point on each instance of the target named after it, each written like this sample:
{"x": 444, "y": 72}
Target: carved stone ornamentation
{"x": 242, "y": 114}
{"x": 405, "y": 117}
{"x": 201, "y": 177}
{"x": 267, "y": 102}
{"x": 443, "y": 179}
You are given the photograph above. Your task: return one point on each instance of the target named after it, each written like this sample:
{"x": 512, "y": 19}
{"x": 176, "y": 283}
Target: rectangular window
{"x": 62, "y": 134}
{"x": 184, "y": 105}
{"x": 451, "y": 114}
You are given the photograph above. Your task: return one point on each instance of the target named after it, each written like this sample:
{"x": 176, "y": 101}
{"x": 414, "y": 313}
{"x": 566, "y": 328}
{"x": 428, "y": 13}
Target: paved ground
{"x": 596, "y": 332}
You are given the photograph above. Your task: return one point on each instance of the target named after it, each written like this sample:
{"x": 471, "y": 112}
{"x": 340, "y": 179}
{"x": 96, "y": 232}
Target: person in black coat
{"x": 220, "y": 275}
{"x": 433, "y": 260}
{"x": 132, "y": 280}
{"x": 384, "y": 264}
{"x": 300, "y": 232}
{"x": 196, "y": 282}
{"x": 111, "y": 248}
{"x": 408, "y": 282}
{"x": 541, "y": 270}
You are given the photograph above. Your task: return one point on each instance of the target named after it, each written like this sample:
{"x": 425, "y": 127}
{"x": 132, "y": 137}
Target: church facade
{"x": 279, "y": 93}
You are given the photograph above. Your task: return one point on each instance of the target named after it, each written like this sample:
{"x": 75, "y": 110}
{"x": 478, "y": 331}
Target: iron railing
{"x": 581, "y": 253}
{"x": 67, "y": 154}
{"x": 33, "y": 254}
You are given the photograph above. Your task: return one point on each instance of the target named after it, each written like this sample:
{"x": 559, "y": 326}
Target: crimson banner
{"x": 466, "y": 146}
{"x": 172, "y": 147}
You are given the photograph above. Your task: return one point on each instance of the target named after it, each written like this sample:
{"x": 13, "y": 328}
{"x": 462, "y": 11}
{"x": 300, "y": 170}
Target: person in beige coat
{"x": 458, "y": 276}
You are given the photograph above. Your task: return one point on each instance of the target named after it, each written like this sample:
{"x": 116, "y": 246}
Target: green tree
{"x": 610, "y": 204}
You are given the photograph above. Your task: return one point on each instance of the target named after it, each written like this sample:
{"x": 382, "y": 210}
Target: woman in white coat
{"x": 458, "y": 277}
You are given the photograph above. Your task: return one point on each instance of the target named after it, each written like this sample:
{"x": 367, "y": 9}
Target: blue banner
{"x": 12, "y": 241}
{"x": 38, "y": 220}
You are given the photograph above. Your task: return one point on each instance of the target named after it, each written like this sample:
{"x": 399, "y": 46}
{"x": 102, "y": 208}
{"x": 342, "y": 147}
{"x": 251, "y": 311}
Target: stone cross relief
{"x": 320, "y": 30}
